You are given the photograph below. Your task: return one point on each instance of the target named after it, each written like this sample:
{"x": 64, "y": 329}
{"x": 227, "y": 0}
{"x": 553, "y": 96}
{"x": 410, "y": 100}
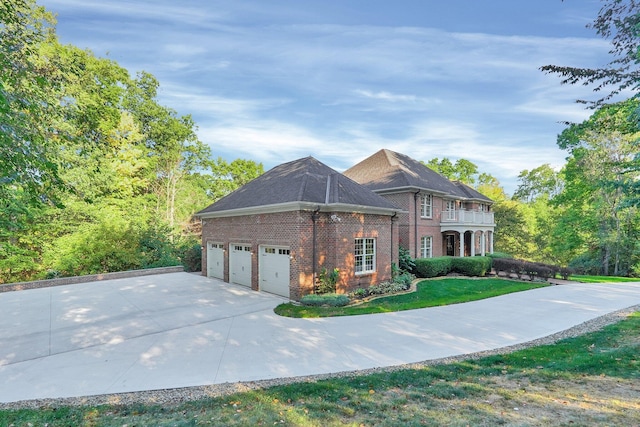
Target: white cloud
{"x": 263, "y": 86}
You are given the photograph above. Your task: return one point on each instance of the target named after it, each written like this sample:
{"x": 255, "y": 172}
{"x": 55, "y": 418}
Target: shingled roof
{"x": 388, "y": 170}
{"x": 303, "y": 183}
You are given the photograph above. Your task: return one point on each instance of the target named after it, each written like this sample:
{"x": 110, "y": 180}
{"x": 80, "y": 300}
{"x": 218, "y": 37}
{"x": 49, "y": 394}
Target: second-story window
{"x": 450, "y": 208}
{"x": 426, "y": 209}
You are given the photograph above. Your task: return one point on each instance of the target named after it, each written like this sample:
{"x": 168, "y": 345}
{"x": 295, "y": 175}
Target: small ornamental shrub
{"x": 433, "y": 267}
{"x": 332, "y": 300}
{"x": 405, "y": 262}
{"x": 471, "y": 266}
{"x": 566, "y": 272}
{"x": 327, "y": 281}
{"x": 384, "y": 288}
{"x": 359, "y": 293}
{"x": 404, "y": 279}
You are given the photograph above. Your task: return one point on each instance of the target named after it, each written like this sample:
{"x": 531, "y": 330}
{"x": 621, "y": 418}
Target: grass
{"x": 603, "y": 279}
{"x": 582, "y": 381}
{"x": 429, "y": 293}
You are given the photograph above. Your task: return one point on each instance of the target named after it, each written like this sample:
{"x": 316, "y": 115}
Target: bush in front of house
{"x": 500, "y": 255}
{"x": 387, "y": 288}
{"x": 327, "y": 281}
{"x": 471, "y": 266}
{"x": 433, "y": 267}
{"x": 532, "y": 270}
{"x": 332, "y": 300}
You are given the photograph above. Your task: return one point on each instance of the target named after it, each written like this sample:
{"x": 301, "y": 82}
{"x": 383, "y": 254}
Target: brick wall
{"x": 335, "y": 234}
{"x": 409, "y": 236}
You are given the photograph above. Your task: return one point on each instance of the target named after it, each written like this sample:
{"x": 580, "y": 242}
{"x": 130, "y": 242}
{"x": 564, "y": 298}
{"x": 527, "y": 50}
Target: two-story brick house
{"x": 278, "y": 232}
{"x": 439, "y": 217}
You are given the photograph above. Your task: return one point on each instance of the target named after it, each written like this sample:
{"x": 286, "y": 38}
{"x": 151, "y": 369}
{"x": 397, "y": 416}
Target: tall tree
{"x": 600, "y": 170}
{"x": 542, "y": 181}
{"x": 28, "y": 104}
{"x": 617, "y": 20}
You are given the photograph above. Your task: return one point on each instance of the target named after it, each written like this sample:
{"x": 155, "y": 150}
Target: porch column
{"x": 491, "y": 243}
{"x": 461, "y": 244}
{"x": 473, "y": 243}
{"x": 483, "y": 242}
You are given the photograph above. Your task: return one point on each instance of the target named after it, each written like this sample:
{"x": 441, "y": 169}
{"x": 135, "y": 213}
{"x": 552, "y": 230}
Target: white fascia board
{"x": 299, "y": 206}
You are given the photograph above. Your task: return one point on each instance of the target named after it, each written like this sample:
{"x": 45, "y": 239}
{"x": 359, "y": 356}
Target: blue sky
{"x": 273, "y": 81}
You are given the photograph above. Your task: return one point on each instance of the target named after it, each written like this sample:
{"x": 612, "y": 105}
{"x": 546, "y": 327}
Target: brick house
{"x": 278, "y": 232}
{"x": 439, "y": 217}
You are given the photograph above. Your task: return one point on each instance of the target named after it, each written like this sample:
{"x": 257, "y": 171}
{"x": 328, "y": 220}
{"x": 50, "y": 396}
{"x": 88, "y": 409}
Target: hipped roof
{"x": 387, "y": 170}
{"x": 303, "y": 182}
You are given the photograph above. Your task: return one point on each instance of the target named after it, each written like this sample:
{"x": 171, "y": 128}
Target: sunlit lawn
{"x": 603, "y": 279}
{"x": 429, "y": 293}
{"x": 583, "y": 381}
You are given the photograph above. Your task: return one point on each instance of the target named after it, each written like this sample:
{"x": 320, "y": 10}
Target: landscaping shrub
{"x": 404, "y": 279}
{"x": 433, "y": 267}
{"x": 531, "y": 269}
{"x": 500, "y": 255}
{"x": 327, "y": 281}
{"x": 333, "y": 300}
{"x": 471, "y": 266}
{"x": 405, "y": 262}
{"x": 190, "y": 254}
{"x": 387, "y": 288}
{"x": 508, "y": 265}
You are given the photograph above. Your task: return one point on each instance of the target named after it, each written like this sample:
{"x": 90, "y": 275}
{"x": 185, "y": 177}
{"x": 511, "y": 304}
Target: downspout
{"x": 415, "y": 223}
{"x": 314, "y": 217}
{"x": 393, "y": 218}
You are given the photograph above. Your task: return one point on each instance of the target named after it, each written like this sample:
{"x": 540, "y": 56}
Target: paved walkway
{"x": 180, "y": 329}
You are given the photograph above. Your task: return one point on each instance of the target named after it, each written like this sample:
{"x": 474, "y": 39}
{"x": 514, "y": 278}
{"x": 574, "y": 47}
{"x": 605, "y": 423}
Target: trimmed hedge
{"x": 531, "y": 269}
{"x": 333, "y": 300}
{"x": 472, "y": 266}
{"x": 441, "y": 266}
{"x": 433, "y": 267}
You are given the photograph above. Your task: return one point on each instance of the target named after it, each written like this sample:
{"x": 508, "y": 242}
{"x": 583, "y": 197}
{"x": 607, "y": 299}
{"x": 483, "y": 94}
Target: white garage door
{"x": 274, "y": 270}
{"x": 215, "y": 260}
{"x": 240, "y": 265}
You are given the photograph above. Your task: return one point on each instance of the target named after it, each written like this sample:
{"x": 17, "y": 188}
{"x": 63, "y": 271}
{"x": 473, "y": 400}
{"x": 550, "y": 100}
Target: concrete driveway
{"x": 180, "y": 329}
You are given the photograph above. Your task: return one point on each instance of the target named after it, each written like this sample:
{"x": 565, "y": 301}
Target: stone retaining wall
{"x": 10, "y": 287}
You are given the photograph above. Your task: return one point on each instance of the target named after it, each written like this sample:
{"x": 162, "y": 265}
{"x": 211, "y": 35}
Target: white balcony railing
{"x": 460, "y": 216}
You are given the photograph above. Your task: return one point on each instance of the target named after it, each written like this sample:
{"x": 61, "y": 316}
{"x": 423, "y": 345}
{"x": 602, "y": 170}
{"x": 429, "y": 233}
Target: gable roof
{"x": 387, "y": 171}
{"x": 300, "y": 184}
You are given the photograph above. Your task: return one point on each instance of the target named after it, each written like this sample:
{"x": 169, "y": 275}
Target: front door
{"x": 450, "y": 242}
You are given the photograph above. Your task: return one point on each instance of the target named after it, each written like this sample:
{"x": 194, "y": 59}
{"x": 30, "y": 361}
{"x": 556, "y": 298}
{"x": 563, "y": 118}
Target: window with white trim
{"x": 426, "y": 245}
{"x": 426, "y": 206}
{"x": 450, "y": 208}
{"x": 365, "y": 255}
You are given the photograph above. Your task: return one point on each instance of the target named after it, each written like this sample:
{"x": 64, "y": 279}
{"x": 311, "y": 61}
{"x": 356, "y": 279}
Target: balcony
{"x": 461, "y": 216}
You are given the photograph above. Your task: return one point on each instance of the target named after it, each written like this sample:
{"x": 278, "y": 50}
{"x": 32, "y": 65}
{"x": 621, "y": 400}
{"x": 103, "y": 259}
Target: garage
{"x": 215, "y": 260}
{"x": 240, "y": 264}
{"x": 274, "y": 270}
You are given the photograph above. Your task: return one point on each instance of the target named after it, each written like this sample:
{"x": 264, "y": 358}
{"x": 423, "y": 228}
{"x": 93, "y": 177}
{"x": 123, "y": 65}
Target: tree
{"x": 542, "y": 181}
{"x": 463, "y": 170}
{"x": 28, "y": 104}
{"x": 600, "y": 171}
{"x": 619, "y": 21}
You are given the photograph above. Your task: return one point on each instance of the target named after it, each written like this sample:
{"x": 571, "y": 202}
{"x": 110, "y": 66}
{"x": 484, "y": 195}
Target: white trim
{"x": 364, "y": 255}
{"x": 299, "y": 206}
{"x": 422, "y": 246}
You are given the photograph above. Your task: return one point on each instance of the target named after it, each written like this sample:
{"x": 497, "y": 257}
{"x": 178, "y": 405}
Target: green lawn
{"x": 429, "y": 293}
{"x": 603, "y": 279}
{"x": 583, "y": 381}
